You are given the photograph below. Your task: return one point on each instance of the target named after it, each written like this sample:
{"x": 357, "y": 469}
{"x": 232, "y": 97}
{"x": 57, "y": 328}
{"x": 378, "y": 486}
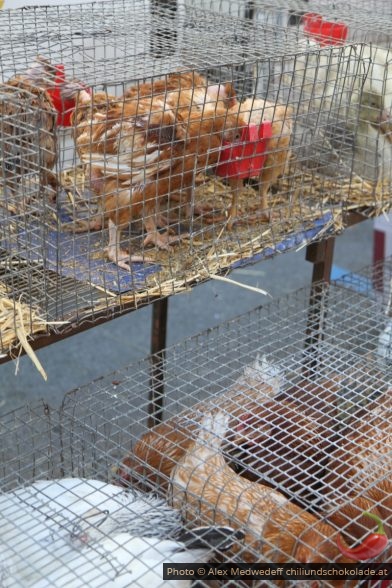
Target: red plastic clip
{"x": 324, "y": 31}
{"x": 63, "y": 106}
{"x": 245, "y": 158}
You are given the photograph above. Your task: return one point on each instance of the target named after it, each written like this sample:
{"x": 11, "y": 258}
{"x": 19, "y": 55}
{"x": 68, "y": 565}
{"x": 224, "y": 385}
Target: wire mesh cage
{"x": 375, "y": 283}
{"x": 326, "y": 22}
{"x": 276, "y": 424}
{"x": 196, "y": 142}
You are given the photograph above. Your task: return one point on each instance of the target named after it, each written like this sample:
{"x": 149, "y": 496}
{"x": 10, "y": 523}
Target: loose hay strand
{"x": 21, "y": 333}
{"x": 18, "y": 321}
{"x": 235, "y": 283}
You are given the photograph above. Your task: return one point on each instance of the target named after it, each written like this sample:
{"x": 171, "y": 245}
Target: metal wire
{"x": 365, "y": 153}
{"x": 366, "y": 21}
{"x": 162, "y": 196}
{"x": 301, "y": 416}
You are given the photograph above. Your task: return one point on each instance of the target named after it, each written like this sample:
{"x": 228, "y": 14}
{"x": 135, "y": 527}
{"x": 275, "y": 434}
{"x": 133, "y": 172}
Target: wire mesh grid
{"x": 368, "y": 22}
{"x": 375, "y": 283}
{"x": 144, "y": 171}
{"x": 325, "y": 21}
{"x": 276, "y": 424}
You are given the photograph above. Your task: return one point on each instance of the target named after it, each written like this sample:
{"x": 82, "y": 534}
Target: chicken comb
{"x": 64, "y": 106}
{"x": 324, "y": 31}
{"x": 245, "y": 158}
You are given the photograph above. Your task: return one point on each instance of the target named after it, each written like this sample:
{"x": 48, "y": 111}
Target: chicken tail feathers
{"x": 221, "y": 538}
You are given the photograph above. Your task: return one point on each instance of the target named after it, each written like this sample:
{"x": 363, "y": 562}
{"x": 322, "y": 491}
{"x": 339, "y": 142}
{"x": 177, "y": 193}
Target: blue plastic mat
{"x": 81, "y": 257}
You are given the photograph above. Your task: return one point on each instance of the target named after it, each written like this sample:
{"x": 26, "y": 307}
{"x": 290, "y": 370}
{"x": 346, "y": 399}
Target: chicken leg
{"x": 117, "y": 255}
{"x": 160, "y": 240}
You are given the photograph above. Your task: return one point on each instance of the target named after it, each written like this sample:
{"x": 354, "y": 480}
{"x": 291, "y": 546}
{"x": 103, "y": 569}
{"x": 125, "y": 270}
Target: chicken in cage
{"x": 285, "y": 438}
{"x": 90, "y": 533}
{"x": 364, "y": 125}
{"x": 88, "y": 530}
{"x": 270, "y": 450}
{"x": 357, "y": 140}
{"x": 26, "y": 106}
{"x": 185, "y": 152}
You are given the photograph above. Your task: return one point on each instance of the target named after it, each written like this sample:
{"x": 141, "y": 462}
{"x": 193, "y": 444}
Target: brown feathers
{"x": 147, "y": 145}
{"x": 255, "y": 111}
{"x": 28, "y": 128}
{"x": 205, "y": 489}
{"x": 156, "y": 453}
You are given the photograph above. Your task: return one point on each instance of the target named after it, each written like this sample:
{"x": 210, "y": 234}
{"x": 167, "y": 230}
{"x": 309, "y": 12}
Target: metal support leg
{"x": 158, "y": 345}
{"x": 321, "y": 255}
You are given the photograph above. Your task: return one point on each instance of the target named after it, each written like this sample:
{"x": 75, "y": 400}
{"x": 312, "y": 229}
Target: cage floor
{"x": 81, "y": 255}
{"x": 81, "y": 285}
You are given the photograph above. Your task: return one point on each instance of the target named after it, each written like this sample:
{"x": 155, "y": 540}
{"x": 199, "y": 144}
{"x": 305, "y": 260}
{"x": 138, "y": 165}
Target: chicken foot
{"x": 117, "y": 255}
{"x": 160, "y": 240}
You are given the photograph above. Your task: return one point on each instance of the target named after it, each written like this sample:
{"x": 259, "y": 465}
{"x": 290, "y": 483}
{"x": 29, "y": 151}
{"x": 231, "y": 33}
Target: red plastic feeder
{"x": 324, "y": 31}
{"x": 245, "y": 158}
{"x": 63, "y": 107}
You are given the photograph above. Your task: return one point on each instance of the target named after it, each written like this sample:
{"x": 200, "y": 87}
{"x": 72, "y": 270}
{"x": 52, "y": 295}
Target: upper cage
{"x": 216, "y": 139}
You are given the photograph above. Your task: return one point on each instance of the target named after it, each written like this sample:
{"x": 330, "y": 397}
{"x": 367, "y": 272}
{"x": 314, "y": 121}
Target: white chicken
{"x": 345, "y": 109}
{"x": 125, "y": 560}
{"x": 53, "y": 527}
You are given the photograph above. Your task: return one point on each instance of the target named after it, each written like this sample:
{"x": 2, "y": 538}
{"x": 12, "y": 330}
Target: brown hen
{"x": 206, "y": 489}
{"x": 201, "y": 91}
{"x": 255, "y": 111}
{"x": 142, "y": 149}
{"x": 28, "y": 121}
{"x": 361, "y": 464}
{"x": 196, "y": 94}
{"x": 291, "y": 440}
{"x": 156, "y": 453}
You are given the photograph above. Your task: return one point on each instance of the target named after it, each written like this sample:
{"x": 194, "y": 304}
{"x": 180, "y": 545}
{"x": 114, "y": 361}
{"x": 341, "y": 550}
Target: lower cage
{"x": 276, "y": 424}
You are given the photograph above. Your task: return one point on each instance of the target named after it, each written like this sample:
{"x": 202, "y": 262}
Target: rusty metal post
{"x": 158, "y": 345}
{"x": 321, "y": 255}
{"x": 162, "y": 43}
